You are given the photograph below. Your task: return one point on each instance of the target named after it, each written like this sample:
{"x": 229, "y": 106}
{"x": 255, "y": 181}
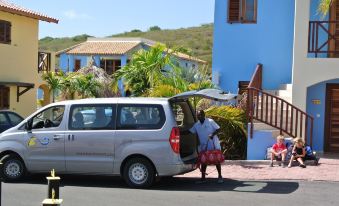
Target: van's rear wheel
{"x": 139, "y": 173}
{"x": 13, "y": 168}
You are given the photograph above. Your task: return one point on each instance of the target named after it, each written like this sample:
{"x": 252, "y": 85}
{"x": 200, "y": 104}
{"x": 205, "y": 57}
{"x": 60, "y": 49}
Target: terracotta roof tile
{"x": 16, "y": 9}
{"x": 103, "y": 48}
{"x": 116, "y": 46}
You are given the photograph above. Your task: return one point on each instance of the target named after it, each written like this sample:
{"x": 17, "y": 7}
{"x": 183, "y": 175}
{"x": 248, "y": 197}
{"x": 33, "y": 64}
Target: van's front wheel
{"x": 139, "y": 173}
{"x": 13, "y": 168}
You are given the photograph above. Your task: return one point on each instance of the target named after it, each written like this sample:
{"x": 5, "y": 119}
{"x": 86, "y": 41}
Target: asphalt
{"x": 108, "y": 191}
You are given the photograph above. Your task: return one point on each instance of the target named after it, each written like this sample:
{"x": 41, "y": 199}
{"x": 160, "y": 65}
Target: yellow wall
{"x": 19, "y": 61}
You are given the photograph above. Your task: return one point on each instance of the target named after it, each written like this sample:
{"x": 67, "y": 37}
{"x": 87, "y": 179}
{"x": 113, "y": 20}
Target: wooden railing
{"x": 256, "y": 81}
{"x": 44, "y": 62}
{"x": 276, "y": 112}
{"x": 322, "y": 37}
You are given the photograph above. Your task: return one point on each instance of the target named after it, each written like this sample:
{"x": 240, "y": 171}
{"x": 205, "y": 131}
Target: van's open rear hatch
{"x": 185, "y": 118}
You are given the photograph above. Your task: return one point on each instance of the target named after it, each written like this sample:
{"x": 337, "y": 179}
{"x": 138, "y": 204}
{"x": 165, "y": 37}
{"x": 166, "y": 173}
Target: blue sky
{"x": 105, "y": 17}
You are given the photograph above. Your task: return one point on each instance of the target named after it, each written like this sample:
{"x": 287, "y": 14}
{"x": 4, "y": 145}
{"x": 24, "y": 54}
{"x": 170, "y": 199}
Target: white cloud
{"x": 72, "y": 14}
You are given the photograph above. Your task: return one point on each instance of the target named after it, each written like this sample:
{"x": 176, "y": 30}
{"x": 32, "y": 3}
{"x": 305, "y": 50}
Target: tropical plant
{"x": 68, "y": 85}
{"x": 233, "y": 130}
{"x": 54, "y": 82}
{"x": 145, "y": 70}
{"x": 102, "y": 78}
{"x": 87, "y": 85}
{"x": 324, "y": 6}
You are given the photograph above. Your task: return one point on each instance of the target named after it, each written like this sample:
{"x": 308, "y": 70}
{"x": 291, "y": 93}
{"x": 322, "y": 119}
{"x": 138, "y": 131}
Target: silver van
{"x": 137, "y": 138}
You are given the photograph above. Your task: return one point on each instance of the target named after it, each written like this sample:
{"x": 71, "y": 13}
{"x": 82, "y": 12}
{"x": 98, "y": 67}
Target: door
{"x": 77, "y": 65}
{"x": 46, "y": 142}
{"x": 89, "y": 145}
{"x": 4, "y": 97}
{"x": 332, "y": 118}
{"x": 334, "y": 29}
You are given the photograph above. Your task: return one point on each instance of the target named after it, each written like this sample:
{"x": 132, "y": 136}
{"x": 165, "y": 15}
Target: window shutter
{"x": 233, "y": 11}
{"x": 2, "y": 31}
{"x": 8, "y": 32}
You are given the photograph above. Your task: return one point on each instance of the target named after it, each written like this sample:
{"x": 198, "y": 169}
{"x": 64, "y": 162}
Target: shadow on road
{"x": 174, "y": 184}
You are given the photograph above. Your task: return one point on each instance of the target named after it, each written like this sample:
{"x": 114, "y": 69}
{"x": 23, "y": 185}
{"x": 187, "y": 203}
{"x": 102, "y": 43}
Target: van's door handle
{"x": 57, "y": 136}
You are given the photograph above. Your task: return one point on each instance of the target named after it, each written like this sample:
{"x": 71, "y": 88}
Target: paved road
{"x": 104, "y": 191}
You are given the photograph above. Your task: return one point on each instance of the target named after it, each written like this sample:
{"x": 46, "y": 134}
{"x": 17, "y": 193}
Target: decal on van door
{"x": 33, "y": 140}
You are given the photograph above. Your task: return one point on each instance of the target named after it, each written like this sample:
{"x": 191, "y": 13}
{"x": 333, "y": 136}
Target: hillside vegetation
{"x": 197, "y": 39}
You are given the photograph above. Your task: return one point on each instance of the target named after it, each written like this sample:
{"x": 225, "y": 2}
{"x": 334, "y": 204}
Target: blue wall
{"x": 318, "y": 92}
{"x": 66, "y": 61}
{"x": 258, "y": 144}
{"x": 239, "y": 47}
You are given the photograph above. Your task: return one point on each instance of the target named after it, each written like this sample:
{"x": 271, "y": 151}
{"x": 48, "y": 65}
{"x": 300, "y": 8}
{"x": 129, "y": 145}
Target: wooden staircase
{"x": 266, "y": 110}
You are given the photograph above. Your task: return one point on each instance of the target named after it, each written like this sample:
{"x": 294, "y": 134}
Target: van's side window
{"x": 49, "y": 118}
{"x": 92, "y": 117}
{"x": 140, "y": 117}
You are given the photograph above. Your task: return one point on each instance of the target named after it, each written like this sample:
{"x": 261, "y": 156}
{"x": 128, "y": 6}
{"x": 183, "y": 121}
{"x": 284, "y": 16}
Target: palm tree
{"x": 87, "y": 85}
{"x": 54, "y": 82}
{"x": 324, "y": 6}
{"x": 146, "y": 69}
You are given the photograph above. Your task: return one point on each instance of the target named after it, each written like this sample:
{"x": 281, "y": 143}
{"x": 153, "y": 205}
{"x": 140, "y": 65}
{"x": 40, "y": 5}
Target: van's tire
{"x": 139, "y": 173}
{"x": 13, "y": 168}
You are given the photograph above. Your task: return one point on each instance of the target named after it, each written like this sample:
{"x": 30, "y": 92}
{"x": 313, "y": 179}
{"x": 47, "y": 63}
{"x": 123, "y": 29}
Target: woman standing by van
{"x": 207, "y": 130}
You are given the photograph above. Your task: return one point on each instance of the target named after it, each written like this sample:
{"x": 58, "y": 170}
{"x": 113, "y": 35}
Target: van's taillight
{"x": 175, "y": 140}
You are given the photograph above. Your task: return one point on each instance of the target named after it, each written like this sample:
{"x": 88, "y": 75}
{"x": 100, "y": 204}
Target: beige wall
{"x": 307, "y": 71}
{"x": 19, "y": 61}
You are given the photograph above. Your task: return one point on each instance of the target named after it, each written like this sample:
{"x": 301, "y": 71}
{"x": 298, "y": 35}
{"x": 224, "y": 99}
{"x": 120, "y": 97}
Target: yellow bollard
{"x": 53, "y": 191}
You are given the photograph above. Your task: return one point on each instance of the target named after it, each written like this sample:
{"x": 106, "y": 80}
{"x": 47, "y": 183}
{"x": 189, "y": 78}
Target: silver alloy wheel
{"x": 138, "y": 173}
{"x": 13, "y": 169}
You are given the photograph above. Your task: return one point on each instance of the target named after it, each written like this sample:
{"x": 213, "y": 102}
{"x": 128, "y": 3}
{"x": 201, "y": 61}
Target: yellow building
{"x": 21, "y": 63}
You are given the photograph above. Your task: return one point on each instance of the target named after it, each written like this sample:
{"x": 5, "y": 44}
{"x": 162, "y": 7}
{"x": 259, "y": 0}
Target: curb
{"x": 256, "y": 162}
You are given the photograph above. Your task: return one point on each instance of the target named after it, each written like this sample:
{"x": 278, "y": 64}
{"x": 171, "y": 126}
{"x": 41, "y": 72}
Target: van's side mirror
{"x": 28, "y": 125}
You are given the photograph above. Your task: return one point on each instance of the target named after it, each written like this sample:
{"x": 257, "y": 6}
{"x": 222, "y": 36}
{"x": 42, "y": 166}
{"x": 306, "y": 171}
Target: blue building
{"x": 111, "y": 54}
{"x": 298, "y": 82}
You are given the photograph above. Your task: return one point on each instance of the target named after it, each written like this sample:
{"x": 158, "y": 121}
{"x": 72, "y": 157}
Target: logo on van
{"x": 33, "y": 140}
{"x": 44, "y": 141}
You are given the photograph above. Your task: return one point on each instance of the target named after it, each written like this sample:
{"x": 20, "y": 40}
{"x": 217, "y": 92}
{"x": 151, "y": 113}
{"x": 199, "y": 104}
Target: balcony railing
{"x": 323, "y": 38}
{"x": 44, "y": 62}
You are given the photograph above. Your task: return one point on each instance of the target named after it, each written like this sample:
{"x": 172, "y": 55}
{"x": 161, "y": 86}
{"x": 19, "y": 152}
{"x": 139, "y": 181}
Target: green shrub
{"x": 233, "y": 135}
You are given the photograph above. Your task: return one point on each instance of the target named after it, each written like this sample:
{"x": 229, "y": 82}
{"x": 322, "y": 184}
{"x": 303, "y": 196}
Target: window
{"x": 15, "y": 119}
{"x": 242, "y": 11}
{"x": 5, "y": 32}
{"x": 140, "y": 117}
{"x": 110, "y": 65}
{"x": 92, "y": 117}
{"x": 77, "y": 64}
{"x": 48, "y": 118}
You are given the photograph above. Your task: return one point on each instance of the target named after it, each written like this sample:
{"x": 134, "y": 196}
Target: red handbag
{"x": 210, "y": 157}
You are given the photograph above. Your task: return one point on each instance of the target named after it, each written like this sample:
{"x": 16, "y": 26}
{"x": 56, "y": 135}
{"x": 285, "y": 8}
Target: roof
{"x": 16, "y": 9}
{"x": 124, "y": 100}
{"x": 116, "y": 46}
{"x": 20, "y": 84}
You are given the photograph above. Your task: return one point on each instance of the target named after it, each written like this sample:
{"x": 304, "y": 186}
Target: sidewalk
{"x": 327, "y": 170}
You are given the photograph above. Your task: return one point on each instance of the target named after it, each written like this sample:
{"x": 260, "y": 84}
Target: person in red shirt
{"x": 279, "y": 151}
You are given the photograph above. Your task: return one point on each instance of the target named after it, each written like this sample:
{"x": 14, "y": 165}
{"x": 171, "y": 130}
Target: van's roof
{"x": 123, "y": 100}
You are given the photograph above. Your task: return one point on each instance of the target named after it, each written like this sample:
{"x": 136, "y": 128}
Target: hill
{"x": 197, "y": 39}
